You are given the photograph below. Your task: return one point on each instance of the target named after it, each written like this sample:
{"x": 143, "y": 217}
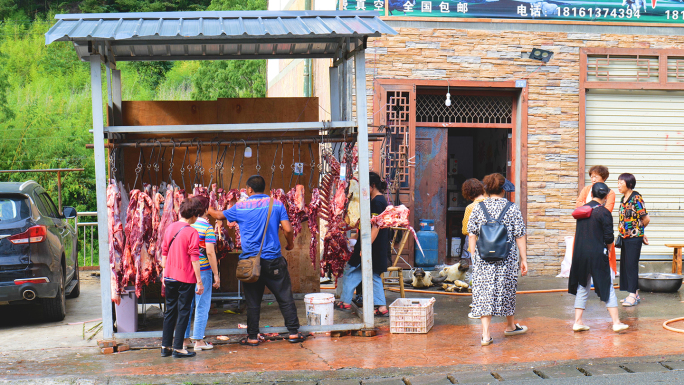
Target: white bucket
{"x": 319, "y": 308}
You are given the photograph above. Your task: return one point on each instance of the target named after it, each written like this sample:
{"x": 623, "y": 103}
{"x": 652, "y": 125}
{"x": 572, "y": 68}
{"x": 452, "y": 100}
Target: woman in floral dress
{"x": 495, "y": 283}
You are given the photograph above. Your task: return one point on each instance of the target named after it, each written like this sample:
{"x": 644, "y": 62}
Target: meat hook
{"x": 139, "y": 166}
{"x": 242, "y": 164}
{"x": 313, "y": 165}
{"x": 273, "y": 167}
{"x": 282, "y": 165}
{"x": 258, "y": 166}
{"x": 232, "y": 166}
{"x": 173, "y": 152}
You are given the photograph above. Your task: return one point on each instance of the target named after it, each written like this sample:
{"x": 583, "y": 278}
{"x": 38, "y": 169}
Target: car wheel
{"x": 76, "y": 291}
{"x": 54, "y": 309}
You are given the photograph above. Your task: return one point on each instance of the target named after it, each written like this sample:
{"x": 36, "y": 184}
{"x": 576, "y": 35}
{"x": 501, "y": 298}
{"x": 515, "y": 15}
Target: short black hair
{"x": 257, "y": 183}
{"x": 599, "y": 190}
{"x": 191, "y": 207}
{"x": 629, "y": 180}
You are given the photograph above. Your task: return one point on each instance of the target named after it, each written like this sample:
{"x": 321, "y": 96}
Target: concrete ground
{"x": 33, "y": 351}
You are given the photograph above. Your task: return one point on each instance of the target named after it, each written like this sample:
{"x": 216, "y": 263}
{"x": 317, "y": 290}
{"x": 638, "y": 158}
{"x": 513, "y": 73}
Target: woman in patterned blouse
{"x": 633, "y": 220}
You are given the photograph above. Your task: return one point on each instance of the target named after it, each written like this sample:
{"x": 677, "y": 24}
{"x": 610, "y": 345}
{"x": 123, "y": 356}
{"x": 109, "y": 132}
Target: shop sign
{"x": 632, "y": 11}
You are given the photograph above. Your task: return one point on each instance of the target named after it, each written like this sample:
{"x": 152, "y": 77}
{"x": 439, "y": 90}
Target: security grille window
{"x": 675, "y": 69}
{"x": 396, "y": 152}
{"x": 430, "y": 108}
{"x": 622, "y": 68}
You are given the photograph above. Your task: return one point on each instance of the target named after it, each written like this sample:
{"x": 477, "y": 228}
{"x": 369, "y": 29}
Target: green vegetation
{"x": 45, "y": 105}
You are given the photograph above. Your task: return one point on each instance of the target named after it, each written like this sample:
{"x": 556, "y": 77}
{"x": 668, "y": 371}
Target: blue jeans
{"x": 202, "y": 303}
{"x": 583, "y": 294}
{"x": 352, "y": 278}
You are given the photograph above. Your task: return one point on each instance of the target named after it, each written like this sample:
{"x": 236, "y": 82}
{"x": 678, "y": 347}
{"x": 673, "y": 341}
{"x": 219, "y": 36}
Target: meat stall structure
{"x": 218, "y": 35}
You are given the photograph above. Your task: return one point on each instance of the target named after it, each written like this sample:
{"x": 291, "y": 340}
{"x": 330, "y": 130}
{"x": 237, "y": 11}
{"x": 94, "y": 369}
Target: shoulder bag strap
{"x": 268, "y": 219}
{"x": 174, "y": 237}
{"x": 486, "y": 213}
{"x": 503, "y": 212}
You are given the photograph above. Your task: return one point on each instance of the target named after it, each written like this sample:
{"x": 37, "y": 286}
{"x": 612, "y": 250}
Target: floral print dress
{"x": 495, "y": 283}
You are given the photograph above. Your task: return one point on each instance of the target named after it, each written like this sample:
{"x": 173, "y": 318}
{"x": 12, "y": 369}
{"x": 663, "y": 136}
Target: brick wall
{"x": 553, "y": 107}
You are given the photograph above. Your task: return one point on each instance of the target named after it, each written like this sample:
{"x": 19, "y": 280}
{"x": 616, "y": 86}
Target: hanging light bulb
{"x": 447, "y": 102}
{"x": 248, "y": 152}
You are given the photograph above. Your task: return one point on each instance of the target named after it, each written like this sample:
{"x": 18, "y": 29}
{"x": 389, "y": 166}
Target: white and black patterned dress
{"x": 494, "y": 284}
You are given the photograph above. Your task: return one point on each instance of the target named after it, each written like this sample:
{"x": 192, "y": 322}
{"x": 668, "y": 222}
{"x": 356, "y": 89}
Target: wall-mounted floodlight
{"x": 541, "y": 55}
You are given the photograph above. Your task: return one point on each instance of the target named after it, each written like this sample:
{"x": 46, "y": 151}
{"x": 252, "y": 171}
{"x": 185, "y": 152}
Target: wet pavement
{"x": 450, "y": 352}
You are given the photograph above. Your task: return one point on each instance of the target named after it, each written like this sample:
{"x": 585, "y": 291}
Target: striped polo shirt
{"x": 206, "y": 235}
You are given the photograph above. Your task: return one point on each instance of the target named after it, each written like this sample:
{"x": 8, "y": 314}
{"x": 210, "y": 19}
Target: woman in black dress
{"x": 590, "y": 260}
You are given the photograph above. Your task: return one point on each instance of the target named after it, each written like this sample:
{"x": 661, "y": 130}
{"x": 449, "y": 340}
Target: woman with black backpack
{"x": 495, "y": 228}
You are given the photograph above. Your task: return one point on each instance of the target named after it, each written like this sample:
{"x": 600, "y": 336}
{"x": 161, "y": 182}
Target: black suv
{"x": 38, "y": 250}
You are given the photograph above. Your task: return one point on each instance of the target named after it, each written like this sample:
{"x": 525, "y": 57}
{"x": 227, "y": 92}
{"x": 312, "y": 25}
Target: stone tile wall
{"x": 553, "y": 107}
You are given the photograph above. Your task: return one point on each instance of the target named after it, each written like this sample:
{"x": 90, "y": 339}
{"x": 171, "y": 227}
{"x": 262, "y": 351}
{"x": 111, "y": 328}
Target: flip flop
{"x": 518, "y": 330}
{"x": 485, "y": 343}
{"x": 300, "y": 338}
{"x": 342, "y": 306}
{"x": 245, "y": 342}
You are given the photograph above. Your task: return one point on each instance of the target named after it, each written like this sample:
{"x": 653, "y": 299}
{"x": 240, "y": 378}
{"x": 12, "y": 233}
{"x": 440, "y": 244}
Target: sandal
{"x": 379, "y": 313}
{"x": 300, "y": 338}
{"x": 486, "y": 343}
{"x": 245, "y": 342}
{"x": 630, "y": 301}
{"x": 343, "y": 306}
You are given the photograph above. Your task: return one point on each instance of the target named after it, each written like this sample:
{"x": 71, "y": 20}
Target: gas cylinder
{"x": 429, "y": 243}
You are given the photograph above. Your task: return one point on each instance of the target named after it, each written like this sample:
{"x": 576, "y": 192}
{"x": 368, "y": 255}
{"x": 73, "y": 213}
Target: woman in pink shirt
{"x": 180, "y": 261}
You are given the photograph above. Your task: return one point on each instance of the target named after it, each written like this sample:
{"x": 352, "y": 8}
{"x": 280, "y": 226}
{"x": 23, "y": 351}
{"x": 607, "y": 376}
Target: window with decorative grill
{"x": 395, "y": 156}
{"x": 464, "y": 109}
{"x": 675, "y": 69}
{"x": 622, "y": 68}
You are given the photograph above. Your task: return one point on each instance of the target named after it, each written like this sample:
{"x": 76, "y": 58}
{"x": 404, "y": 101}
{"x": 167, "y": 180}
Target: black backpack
{"x": 493, "y": 243}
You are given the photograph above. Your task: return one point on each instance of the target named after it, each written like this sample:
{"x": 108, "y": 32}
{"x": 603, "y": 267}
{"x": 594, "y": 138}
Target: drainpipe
{"x": 308, "y": 77}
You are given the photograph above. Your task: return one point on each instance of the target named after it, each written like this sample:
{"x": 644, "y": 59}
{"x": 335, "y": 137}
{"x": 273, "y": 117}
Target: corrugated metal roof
{"x": 218, "y": 35}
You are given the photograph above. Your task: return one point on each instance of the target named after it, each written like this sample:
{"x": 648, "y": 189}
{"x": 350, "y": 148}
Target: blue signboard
{"x": 633, "y": 11}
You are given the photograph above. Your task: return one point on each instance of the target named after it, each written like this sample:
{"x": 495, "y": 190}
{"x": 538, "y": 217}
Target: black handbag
{"x": 618, "y": 242}
{"x": 493, "y": 243}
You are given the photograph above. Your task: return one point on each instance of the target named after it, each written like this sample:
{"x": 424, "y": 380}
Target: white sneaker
{"x": 471, "y": 316}
{"x": 580, "y": 328}
{"x": 619, "y": 327}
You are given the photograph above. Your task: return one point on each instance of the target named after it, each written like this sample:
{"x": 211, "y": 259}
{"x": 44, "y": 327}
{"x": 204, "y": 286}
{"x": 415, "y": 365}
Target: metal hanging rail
{"x": 240, "y": 127}
{"x": 193, "y": 144}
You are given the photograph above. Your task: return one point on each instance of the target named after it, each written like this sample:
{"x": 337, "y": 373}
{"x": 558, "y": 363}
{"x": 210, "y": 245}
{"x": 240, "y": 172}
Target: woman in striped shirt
{"x": 208, "y": 270}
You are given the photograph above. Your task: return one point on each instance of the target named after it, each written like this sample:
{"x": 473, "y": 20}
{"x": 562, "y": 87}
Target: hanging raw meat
{"x": 295, "y": 208}
{"x": 124, "y": 203}
{"x": 333, "y": 200}
{"x": 116, "y": 239}
{"x": 154, "y": 250}
{"x": 312, "y": 210}
{"x": 213, "y": 196}
{"x": 178, "y": 198}
{"x": 145, "y": 263}
{"x": 354, "y": 206}
{"x": 167, "y": 218}
{"x": 131, "y": 232}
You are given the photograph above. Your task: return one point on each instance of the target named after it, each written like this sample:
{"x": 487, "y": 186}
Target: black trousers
{"x": 276, "y": 277}
{"x": 179, "y": 297}
{"x": 629, "y": 264}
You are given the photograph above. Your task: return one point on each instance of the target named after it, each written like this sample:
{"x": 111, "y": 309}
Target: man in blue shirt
{"x": 251, "y": 218}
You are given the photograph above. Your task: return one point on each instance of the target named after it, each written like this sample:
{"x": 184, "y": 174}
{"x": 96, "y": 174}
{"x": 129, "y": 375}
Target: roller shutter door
{"x": 642, "y": 132}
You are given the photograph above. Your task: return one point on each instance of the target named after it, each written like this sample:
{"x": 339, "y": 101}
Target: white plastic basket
{"x": 412, "y": 315}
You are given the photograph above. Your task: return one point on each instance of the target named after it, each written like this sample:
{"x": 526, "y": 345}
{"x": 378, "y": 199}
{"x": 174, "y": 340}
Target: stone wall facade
{"x": 553, "y": 105}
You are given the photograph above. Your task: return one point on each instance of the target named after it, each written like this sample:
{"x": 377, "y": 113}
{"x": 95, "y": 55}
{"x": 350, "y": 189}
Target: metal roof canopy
{"x": 340, "y": 35}
{"x": 158, "y": 36}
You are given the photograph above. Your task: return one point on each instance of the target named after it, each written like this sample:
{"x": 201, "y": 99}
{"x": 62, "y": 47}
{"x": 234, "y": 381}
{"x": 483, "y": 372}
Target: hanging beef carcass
{"x": 131, "y": 233}
{"x": 313, "y": 209}
{"x": 145, "y": 263}
{"x": 178, "y": 198}
{"x": 232, "y": 197}
{"x": 155, "y": 246}
{"x": 116, "y": 240}
{"x": 124, "y": 203}
{"x": 137, "y": 265}
{"x": 333, "y": 199}
{"x": 168, "y": 217}
{"x": 295, "y": 208}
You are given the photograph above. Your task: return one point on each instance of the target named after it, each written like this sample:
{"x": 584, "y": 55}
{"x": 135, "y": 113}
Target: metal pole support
{"x": 101, "y": 191}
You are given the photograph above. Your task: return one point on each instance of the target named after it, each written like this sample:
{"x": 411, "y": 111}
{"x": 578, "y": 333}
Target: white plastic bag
{"x": 567, "y": 261}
